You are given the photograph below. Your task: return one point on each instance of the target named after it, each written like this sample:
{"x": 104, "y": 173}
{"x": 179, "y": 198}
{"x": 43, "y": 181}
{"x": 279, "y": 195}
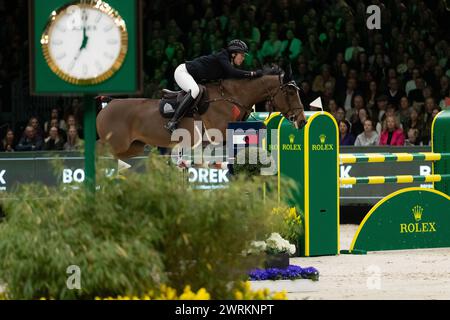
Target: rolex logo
{"x": 322, "y": 138}
{"x": 417, "y": 212}
{"x": 418, "y": 226}
{"x": 291, "y": 138}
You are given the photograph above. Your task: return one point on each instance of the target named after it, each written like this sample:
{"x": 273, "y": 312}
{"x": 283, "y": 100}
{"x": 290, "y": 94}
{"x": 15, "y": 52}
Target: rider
{"x": 212, "y": 67}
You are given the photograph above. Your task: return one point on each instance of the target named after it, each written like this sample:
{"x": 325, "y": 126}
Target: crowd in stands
{"x": 384, "y": 87}
{"x": 56, "y": 134}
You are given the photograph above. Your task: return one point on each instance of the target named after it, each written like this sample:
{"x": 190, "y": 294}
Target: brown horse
{"x": 127, "y": 125}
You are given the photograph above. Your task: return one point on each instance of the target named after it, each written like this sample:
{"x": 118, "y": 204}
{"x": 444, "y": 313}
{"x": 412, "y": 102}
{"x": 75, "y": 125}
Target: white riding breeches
{"x": 185, "y": 81}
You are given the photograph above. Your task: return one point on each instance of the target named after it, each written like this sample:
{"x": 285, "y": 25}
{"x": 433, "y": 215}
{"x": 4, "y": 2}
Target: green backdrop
{"x": 126, "y": 80}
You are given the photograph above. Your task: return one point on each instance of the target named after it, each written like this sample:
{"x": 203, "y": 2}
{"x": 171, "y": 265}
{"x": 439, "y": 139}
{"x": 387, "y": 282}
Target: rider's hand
{"x": 258, "y": 73}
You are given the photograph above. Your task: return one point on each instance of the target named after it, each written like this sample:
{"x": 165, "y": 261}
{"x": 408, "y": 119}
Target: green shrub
{"x": 139, "y": 231}
{"x": 251, "y": 160}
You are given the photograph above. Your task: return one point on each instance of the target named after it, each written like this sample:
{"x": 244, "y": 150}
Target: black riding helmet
{"x": 238, "y": 46}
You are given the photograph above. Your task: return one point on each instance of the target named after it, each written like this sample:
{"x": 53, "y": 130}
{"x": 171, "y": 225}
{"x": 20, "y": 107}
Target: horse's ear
{"x": 288, "y": 74}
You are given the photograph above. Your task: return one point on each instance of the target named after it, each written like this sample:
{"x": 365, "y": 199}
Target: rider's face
{"x": 238, "y": 59}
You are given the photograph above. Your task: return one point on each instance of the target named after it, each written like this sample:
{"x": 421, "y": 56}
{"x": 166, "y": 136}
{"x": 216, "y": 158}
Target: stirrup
{"x": 171, "y": 126}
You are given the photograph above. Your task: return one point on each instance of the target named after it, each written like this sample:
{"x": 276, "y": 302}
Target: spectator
{"x": 76, "y": 109}
{"x": 358, "y": 121}
{"x": 413, "y": 138}
{"x": 346, "y": 98}
{"x": 30, "y": 141}
{"x": 345, "y": 137}
{"x": 271, "y": 48}
{"x": 336, "y": 67}
{"x": 324, "y": 76}
{"x": 292, "y": 46}
{"x": 430, "y": 105}
{"x": 72, "y": 122}
{"x": 444, "y": 87}
{"x": 394, "y": 93}
{"x": 392, "y": 135}
{"x": 340, "y": 114}
{"x": 328, "y": 93}
{"x": 306, "y": 94}
{"x": 249, "y": 33}
{"x": 411, "y": 84}
{"x": 302, "y": 74}
{"x": 252, "y": 61}
{"x": 416, "y": 95}
{"x": 404, "y": 110}
{"x": 342, "y": 77}
{"x": 372, "y": 94}
{"x": 333, "y": 45}
{"x": 369, "y": 137}
{"x": 391, "y": 110}
{"x": 34, "y": 122}
{"x": 379, "y": 54}
{"x": 378, "y": 113}
{"x": 378, "y": 68}
{"x": 55, "y": 123}
{"x": 313, "y": 50}
{"x": 74, "y": 143}
{"x": 53, "y": 141}
{"x": 415, "y": 121}
{"x": 351, "y": 53}
{"x": 331, "y": 107}
{"x": 8, "y": 143}
{"x": 60, "y": 122}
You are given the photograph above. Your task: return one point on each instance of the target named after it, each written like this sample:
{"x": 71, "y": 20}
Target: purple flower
{"x": 290, "y": 273}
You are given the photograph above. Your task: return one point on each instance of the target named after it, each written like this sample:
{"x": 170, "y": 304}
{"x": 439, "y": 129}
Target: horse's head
{"x": 285, "y": 98}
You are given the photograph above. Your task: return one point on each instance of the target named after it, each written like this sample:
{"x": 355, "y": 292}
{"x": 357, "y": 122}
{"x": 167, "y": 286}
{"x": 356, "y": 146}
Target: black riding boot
{"x": 180, "y": 112}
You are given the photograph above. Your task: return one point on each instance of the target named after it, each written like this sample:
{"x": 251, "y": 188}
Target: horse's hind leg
{"x": 136, "y": 149}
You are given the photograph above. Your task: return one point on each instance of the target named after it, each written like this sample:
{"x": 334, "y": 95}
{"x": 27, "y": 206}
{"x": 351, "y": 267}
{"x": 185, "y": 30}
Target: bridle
{"x": 292, "y": 113}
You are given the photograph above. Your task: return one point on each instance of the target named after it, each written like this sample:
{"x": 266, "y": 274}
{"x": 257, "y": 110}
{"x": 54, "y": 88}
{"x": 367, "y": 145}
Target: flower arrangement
{"x": 274, "y": 244}
{"x": 290, "y": 273}
{"x": 293, "y": 224}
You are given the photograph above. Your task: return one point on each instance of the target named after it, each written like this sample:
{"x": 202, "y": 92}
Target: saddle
{"x": 171, "y": 100}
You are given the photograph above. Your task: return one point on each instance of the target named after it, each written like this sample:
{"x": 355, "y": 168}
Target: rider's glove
{"x": 257, "y": 73}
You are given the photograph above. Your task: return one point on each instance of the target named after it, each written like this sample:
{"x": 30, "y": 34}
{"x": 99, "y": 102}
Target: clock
{"x": 85, "y": 42}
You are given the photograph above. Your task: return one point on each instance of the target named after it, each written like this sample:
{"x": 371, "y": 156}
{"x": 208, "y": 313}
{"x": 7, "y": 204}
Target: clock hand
{"x": 85, "y": 37}
{"x": 74, "y": 61}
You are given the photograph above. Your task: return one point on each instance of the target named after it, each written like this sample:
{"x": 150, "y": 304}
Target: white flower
{"x": 276, "y": 243}
{"x": 292, "y": 249}
{"x": 259, "y": 245}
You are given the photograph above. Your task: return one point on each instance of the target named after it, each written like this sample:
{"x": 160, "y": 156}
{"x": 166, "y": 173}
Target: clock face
{"x": 85, "y": 43}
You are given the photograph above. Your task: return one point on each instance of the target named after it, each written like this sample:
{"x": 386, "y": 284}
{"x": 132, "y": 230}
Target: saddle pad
{"x": 167, "y": 108}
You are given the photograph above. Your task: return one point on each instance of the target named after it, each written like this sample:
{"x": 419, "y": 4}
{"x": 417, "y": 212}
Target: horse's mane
{"x": 273, "y": 70}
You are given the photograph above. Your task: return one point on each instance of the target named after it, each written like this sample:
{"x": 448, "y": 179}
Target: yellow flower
{"x": 292, "y": 213}
{"x": 280, "y": 295}
{"x": 238, "y": 295}
{"x": 202, "y": 294}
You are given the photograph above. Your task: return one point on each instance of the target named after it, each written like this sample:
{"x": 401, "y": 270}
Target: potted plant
{"x": 276, "y": 249}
